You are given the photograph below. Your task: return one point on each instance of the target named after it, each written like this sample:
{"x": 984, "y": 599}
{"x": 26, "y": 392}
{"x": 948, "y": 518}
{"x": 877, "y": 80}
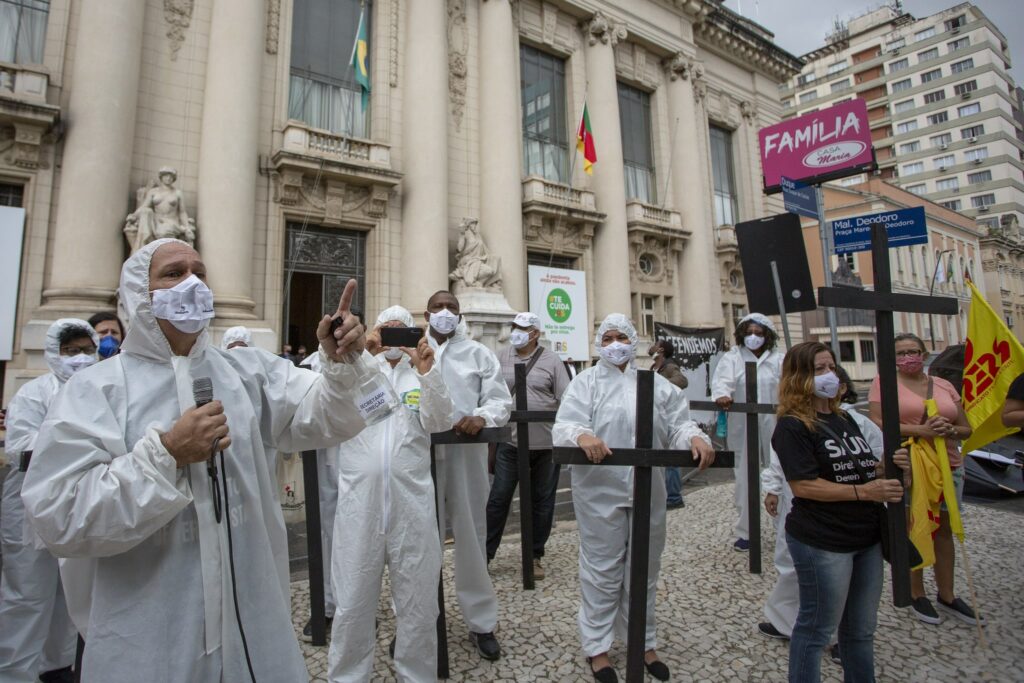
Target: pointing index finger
{"x": 345, "y": 304}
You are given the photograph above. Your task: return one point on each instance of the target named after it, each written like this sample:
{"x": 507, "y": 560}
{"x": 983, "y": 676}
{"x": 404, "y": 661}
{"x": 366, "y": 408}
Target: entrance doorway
{"x": 318, "y": 263}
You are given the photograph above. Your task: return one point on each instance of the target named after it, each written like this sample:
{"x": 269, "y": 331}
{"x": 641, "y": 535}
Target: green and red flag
{"x": 585, "y": 142}
{"x": 360, "y": 49}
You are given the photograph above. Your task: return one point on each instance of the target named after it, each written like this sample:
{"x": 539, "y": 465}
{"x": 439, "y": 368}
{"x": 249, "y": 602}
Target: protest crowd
{"x": 145, "y": 465}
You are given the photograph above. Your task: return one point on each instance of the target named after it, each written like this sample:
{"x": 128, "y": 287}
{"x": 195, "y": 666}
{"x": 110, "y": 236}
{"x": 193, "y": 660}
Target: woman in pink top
{"x": 951, "y": 423}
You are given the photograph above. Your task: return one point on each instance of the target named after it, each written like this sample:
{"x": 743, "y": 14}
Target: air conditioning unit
{"x": 944, "y": 146}
{"x": 973, "y": 139}
{"x": 956, "y": 30}
{"x": 942, "y": 169}
{"x": 977, "y": 162}
{"x": 966, "y": 95}
{"x": 983, "y": 209}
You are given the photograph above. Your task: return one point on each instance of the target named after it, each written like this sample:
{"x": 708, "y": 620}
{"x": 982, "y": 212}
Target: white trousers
{"x": 739, "y": 447}
{"x": 327, "y": 483}
{"x": 784, "y": 601}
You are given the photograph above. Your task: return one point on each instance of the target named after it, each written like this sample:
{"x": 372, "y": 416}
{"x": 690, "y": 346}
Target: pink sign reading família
{"x": 827, "y": 144}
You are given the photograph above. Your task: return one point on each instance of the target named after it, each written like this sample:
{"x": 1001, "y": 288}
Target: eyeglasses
{"x": 76, "y": 350}
{"x": 909, "y": 353}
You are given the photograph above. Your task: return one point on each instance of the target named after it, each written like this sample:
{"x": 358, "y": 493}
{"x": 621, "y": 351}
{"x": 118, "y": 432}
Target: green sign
{"x": 559, "y": 305}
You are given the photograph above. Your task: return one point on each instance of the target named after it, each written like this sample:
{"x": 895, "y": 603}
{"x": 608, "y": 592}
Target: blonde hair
{"x": 796, "y": 387}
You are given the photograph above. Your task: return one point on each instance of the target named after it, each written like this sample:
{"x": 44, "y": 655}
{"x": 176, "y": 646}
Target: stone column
{"x": 501, "y": 205}
{"x": 96, "y": 167}
{"x": 698, "y": 277}
{"x": 424, "y": 245}
{"x": 228, "y": 151}
{"x": 611, "y": 247}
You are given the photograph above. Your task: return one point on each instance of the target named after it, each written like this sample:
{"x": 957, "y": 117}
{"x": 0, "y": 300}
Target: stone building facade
{"x": 471, "y": 115}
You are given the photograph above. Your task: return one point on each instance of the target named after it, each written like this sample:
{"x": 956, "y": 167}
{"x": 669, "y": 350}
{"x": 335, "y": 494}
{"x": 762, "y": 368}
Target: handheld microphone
{"x": 202, "y": 392}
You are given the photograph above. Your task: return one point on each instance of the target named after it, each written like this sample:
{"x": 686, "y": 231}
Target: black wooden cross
{"x": 494, "y": 435}
{"x": 642, "y": 458}
{"x": 884, "y": 302}
{"x": 752, "y": 409}
{"x": 314, "y": 549}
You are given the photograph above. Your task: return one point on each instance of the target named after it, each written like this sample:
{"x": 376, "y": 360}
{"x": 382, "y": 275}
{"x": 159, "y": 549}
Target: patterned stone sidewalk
{"x": 709, "y": 606}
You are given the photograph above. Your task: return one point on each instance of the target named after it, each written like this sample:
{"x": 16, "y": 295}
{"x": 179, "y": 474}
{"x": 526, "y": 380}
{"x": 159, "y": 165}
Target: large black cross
{"x": 884, "y": 302}
{"x": 752, "y": 408}
{"x": 642, "y": 459}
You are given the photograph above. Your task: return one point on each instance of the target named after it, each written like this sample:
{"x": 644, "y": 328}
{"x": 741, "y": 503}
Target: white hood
{"x": 51, "y": 348}
{"x": 145, "y": 339}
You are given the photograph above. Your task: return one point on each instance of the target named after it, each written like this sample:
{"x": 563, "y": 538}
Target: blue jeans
{"x": 673, "y": 486}
{"x": 836, "y": 589}
{"x": 543, "y": 487}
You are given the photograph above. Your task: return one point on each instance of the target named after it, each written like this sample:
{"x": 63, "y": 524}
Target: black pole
{"x": 525, "y": 485}
{"x": 79, "y": 654}
{"x": 315, "y": 552}
{"x": 900, "y": 561}
{"x": 640, "y": 533}
{"x": 753, "y": 472}
{"x": 442, "y": 622}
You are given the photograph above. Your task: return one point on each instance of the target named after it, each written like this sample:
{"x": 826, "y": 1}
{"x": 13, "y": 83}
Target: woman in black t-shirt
{"x": 833, "y": 528}
{"x": 1013, "y": 408}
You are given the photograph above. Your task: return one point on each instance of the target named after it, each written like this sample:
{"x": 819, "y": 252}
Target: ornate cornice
{"x": 735, "y": 37}
{"x": 598, "y": 29}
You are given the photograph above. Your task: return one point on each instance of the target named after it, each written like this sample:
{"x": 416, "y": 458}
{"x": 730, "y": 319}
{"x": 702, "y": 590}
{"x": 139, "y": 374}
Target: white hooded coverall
{"x": 147, "y": 575}
{"x": 36, "y": 633}
{"x": 730, "y": 380}
{"x": 386, "y": 517}
{"x": 784, "y": 601}
{"x": 601, "y": 401}
{"x": 473, "y": 376}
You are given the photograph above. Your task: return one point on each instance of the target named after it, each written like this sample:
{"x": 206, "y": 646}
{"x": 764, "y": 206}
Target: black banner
{"x": 694, "y": 346}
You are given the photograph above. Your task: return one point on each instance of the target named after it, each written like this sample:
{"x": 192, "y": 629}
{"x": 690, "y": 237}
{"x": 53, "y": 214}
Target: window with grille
{"x": 867, "y": 351}
{"x": 983, "y": 200}
{"x": 12, "y": 195}
{"x": 545, "y": 131}
{"x": 936, "y": 96}
{"x": 972, "y": 131}
{"x": 965, "y": 87}
{"x": 937, "y": 118}
{"x": 638, "y": 159}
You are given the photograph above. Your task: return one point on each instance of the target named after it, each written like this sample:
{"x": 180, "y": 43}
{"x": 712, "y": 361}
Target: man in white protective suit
{"x": 236, "y": 338}
{"x": 754, "y": 341}
{"x": 598, "y": 414}
{"x": 166, "y": 579}
{"x": 386, "y": 518}
{"x": 480, "y": 399}
{"x": 37, "y": 637}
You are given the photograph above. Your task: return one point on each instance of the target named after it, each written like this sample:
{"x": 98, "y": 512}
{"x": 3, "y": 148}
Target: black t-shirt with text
{"x": 1016, "y": 391}
{"x": 839, "y": 526}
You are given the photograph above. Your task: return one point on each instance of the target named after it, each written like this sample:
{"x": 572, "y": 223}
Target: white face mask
{"x": 827, "y": 385}
{"x": 393, "y": 353}
{"x": 444, "y": 321}
{"x": 188, "y": 305}
{"x": 753, "y": 342}
{"x": 72, "y": 364}
{"x": 519, "y": 338}
{"x": 617, "y": 353}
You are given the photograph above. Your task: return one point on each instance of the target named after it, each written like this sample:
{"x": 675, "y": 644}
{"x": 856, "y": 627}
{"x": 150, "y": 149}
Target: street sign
{"x": 904, "y": 227}
{"x": 799, "y": 198}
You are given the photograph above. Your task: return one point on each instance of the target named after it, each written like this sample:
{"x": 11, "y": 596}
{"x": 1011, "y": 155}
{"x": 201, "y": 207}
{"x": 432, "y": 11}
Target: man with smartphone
{"x": 480, "y": 399}
{"x": 546, "y": 380}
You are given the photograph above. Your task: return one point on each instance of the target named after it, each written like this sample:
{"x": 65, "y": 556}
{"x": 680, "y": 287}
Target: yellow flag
{"x": 992, "y": 360}
{"x": 948, "y": 488}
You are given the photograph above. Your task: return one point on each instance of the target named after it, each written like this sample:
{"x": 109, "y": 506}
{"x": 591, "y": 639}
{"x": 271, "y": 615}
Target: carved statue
{"x": 160, "y": 212}
{"x": 474, "y": 266}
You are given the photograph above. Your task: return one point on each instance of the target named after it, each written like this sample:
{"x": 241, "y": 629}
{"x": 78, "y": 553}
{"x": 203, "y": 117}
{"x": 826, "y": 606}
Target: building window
{"x": 899, "y": 65}
{"x": 808, "y": 96}
{"x": 846, "y": 354}
{"x": 635, "y": 124}
{"x": 840, "y": 86}
{"x": 647, "y": 314}
{"x": 867, "y": 351}
{"x": 895, "y": 44}
{"x": 928, "y": 55}
{"x": 322, "y": 90}
{"x": 804, "y": 79}
{"x": 916, "y": 189}
{"x": 550, "y": 260}
{"x": 910, "y": 147}
{"x": 11, "y": 195}
{"x": 966, "y": 87}
{"x": 941, "y": 141}
{"x": 983, "y": 200}
{"x": 905, "y": 84}
{"x": 837, "y": 67}
{"x": 924, "y": 35}
{"x": 953, "y": 205}
{"x": 972, "y": 132}
{"x": 906, "y": 126}
{"x": 960, "y": 67}
{"x": 900, "y": 107}
{"x": 956, "y": 22}
{"x": 937, "y": 118}
{"x": 545, "y": 134}
{"x": 945, "y": 161}
{"x": 936, "y": 96}
{"x": 969, "y": 109}
{"x": 947, "y": 184}
{"x": 23, "y": 30}
{"x": 979, "y": 177}
{"x": 932, "y": 75}
{"x": 959, "y": 44}
{"x": 911, "y": 169}
{"x": 722, "y": 169}
{"x": 976, "y": 154}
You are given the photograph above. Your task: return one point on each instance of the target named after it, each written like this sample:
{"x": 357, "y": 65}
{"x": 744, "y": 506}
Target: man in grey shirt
{"x": 546, "y": 380}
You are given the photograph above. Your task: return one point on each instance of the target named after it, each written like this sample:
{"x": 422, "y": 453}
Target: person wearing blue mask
{"x": 110, "y": 331}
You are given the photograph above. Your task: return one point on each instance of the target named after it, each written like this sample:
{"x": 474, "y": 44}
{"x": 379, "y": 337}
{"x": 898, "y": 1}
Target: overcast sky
{"x": 800, "y": 26}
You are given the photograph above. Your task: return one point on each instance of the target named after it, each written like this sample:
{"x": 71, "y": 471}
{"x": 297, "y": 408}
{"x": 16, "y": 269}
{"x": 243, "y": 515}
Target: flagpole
{"x": 974, "y": 595}
{"x": 931, "y": 291}
{"x": 572, "y": 170}
{"x": 671, "y": 160}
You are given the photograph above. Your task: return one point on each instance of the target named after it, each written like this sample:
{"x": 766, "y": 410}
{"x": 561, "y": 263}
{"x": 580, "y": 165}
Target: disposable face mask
{"x": 393, "y": 353}
{"x": 72, "y": 364}
{"x": 910, "y": 364}
{"x": 827, "y": 385}
{"x": 753, "y": 342}
{"x": 519, "y": 338}
{"x": 617, "y": 353}
{"x": 188, "y": 305}
{"x": 444, "y": 321}
{"x": 108, "y": 347}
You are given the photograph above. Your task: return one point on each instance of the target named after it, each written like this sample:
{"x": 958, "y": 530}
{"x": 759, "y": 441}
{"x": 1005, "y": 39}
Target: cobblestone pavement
{"x": 709, "y": 606}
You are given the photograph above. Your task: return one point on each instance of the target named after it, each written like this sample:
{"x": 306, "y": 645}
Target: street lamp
{"x": 931, "y": 291}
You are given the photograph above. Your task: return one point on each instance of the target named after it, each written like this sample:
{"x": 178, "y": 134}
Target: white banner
{"x": 12, "y": 234}
{"x": 559, "y": 297}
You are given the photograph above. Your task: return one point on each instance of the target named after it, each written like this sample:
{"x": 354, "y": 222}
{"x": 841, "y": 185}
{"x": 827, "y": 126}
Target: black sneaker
{"x": 675, "y": 506}
{"x": 741, "y": 545}
{"x": 767, "y": 628}
{"x": 833, "y": 654}
{"x": 486, "y": 644}
{"x": 307, "y": 630}
{"x": 391, "y": 647}
{"x": 65, "y": 675}
{"x": 961, "y": 610}
{"x": 924, "y": 611}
